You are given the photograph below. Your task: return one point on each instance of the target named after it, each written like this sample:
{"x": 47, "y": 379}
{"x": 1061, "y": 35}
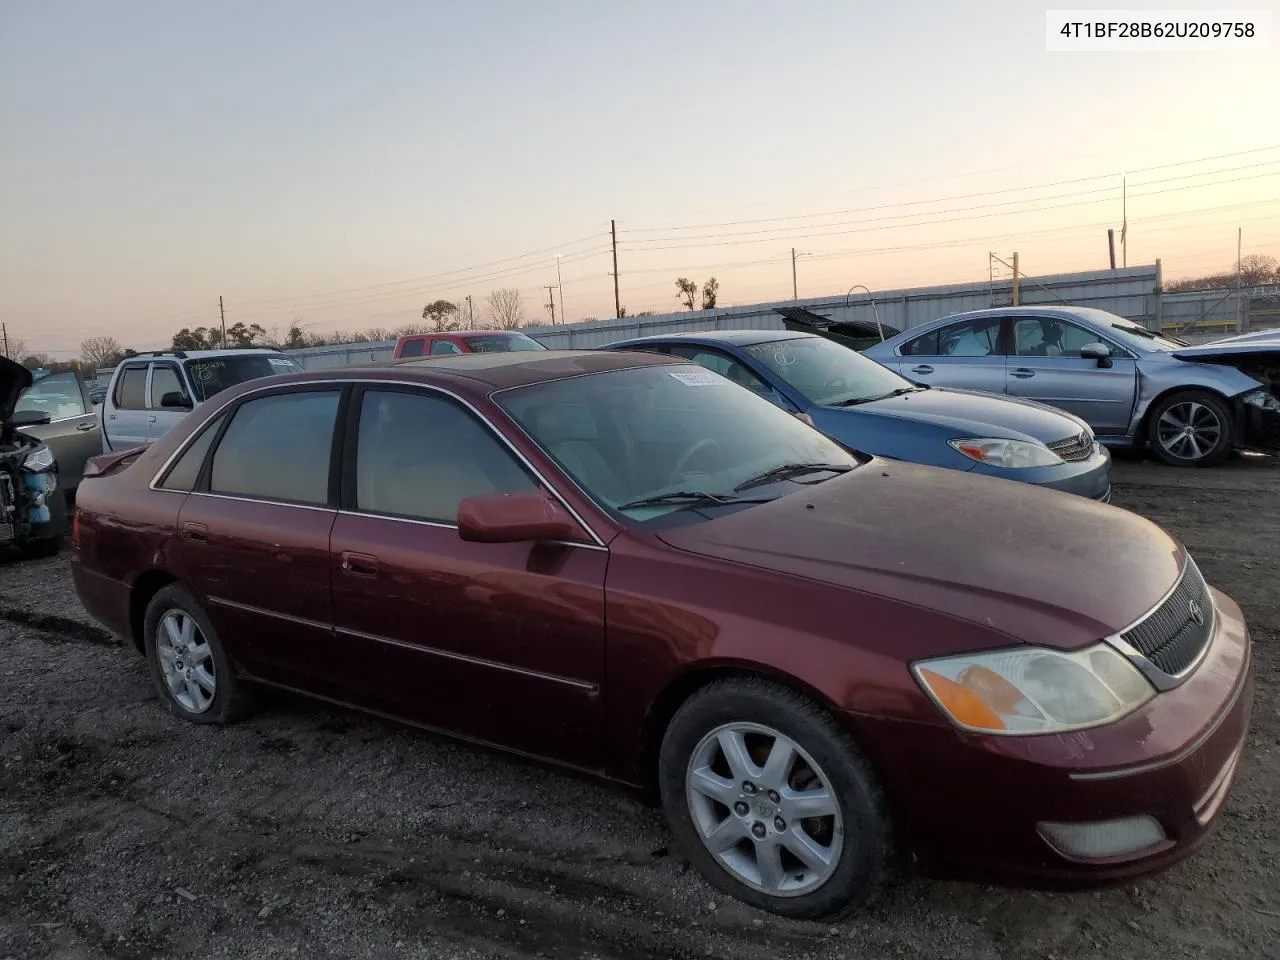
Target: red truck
{"x": 464, "y": 341}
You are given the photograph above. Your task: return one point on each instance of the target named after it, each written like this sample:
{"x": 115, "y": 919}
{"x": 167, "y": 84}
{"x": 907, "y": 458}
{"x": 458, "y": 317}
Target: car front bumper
{"x": 973, "y": 806}
{"x": 1090, "y": 477}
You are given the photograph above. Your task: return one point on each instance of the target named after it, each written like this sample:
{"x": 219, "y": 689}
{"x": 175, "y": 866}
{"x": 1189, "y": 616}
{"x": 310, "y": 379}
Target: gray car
{"x": 1191, "y": 405}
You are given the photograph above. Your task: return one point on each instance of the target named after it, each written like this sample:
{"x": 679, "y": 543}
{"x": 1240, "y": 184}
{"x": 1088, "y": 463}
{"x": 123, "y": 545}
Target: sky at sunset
{"x": 338, "y": 165}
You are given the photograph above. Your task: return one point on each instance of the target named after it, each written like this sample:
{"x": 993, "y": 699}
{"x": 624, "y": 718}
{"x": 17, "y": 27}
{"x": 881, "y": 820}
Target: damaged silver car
{"x": 1192, "y": 405}
{"x": 33, "y": 511}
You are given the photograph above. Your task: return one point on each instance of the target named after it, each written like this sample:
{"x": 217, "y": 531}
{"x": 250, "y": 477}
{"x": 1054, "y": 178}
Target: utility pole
{"x": 471, "y": 317}
{"x": 564, "y": 315}
{"x": 1016, "y": 287}
{"x": 4, "y": 330}
{"x": 795, "y": 290}
{"x": 1242, "y": 318}
{"x": 223, "y": 314}
{"x": 1124, "y": 218}
{"x": 617, "y": 297}
{"x": 1111, "y": 246}
{"x": 551, "y": 292}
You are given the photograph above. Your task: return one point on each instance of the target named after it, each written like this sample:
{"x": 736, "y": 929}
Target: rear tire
{"x": 188, "y": 664}
{"x": 1191, "y": 428}
{"x": 805, "y": 837}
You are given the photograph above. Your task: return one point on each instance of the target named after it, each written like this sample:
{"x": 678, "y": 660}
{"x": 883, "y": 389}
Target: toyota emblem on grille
{"x": 1196, "y": 610}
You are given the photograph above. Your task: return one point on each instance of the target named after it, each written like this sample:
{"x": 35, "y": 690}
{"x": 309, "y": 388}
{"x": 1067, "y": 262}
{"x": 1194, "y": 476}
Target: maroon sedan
{"x": 628, "y": 565}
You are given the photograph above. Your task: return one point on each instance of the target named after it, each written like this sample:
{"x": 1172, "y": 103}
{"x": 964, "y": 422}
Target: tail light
{"x": 75, "y": 530}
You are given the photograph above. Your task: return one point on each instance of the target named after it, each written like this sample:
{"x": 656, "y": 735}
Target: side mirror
{"x": 515, "y": 517}
{"x": 1097, "y": 351}
{"x": 29, "y": 418}
{"x": 174, "y": 399}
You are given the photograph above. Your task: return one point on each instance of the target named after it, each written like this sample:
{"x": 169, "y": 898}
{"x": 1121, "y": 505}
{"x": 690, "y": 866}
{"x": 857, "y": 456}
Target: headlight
{"x": 41, "y": 458}
{"x": 1262, "y": 400}
{"x": 1007, "y": 453}
{"x": 1031, "y": 690}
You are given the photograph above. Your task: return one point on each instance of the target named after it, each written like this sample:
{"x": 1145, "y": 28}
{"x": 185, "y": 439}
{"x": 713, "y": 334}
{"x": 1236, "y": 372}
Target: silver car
{"x": 1191, "y": 405}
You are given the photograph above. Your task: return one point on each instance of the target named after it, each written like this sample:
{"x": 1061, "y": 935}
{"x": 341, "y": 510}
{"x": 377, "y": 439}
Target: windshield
{"x": 215, "y": 374}
{"x": 827, "y": 373}
{"x": 503, "y": 343}
{"x": 638, "y": 434}
{"x": 1130, "y": 334}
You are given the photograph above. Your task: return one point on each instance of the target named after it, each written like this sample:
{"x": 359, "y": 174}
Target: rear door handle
{"x": 922, "y": 368}
{"x": 85, "y": 427}
{"x": 359, "y": 564}
{"x": 195, "y": 532}
{"x": 151, "y": 419}
{"x": 1022, "y": 373}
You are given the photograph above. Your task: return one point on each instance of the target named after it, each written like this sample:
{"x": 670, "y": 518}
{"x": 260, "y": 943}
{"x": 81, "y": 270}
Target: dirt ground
{"x": 310, "y": 832}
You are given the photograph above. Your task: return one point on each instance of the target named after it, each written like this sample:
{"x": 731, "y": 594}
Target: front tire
{"x": 772, "y": 801}
{"x": 1191, "y": 428}
{"x": 188, "y": 664}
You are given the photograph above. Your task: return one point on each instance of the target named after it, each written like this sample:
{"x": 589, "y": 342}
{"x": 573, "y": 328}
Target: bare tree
{"x": 98, "y": 352}
{"x": 687, "y": 292}
{"x": 17, "y": 348}
{"x": 1257, "y": 269}
{"x": 709, "y": 291}
{"x": 505, "y": 308}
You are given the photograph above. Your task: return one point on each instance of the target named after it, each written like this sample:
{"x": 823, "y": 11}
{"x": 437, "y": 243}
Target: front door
{"x": 1045, "y": 365}
{"x": 500, "y": 642}
{"x": 254, "y": 537}
{"x": 968, "y": 354}
{"x": 165, "y": 379}
{"x": 72, "y": 432}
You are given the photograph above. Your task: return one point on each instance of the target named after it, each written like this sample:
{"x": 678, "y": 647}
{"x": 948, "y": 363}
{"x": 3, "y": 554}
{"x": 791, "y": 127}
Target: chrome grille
{"x": 1170, "y": 636}
{"x": 1073, "y": 448}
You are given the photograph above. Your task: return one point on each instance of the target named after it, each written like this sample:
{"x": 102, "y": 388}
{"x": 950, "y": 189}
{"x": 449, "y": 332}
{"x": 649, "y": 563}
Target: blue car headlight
{"x": 1011, "y": 454}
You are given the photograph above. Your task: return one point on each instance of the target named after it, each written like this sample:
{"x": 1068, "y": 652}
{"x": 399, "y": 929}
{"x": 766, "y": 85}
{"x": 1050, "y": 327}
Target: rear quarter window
{"x": 186, "y": 469}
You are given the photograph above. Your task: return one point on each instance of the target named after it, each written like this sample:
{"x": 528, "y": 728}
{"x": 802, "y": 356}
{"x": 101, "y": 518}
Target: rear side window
{"x": 131, "y": 389}
{"x": 413, "y": 348}
{"x": 278, "y": 448}
{"x": 445, "y": 346}
{"x": 183, "y": 474}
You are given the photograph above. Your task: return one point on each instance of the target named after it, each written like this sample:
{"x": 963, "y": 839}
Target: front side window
{"x": 827, "y": 373}
{"x": 419, "y": 456}
{"x": 502, "y": 343}
{"x": 211, "y": 375}
{"x": 630, "y": 437}
{"x": 165, "y": 379}
{"x": 58, "y": 395}
{"x": 444, "y": 348}
{"x": 724, "y": 365}
{"x": 1049, "y": 337}
{"x": 278, "y": 448}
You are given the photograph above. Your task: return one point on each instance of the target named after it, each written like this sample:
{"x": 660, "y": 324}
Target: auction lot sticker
{"x": 698, "y": 378}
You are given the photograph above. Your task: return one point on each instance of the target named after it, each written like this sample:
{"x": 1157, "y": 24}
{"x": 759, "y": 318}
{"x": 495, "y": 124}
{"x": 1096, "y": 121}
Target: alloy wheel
{"x": 186, "y": 661}
{"x": 1189, "y": 430}
{"x": 764, "y": 809}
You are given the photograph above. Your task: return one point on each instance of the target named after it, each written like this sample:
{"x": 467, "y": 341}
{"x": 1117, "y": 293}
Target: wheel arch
{"x": 677, "y": 692}
{"x": 1141, "y": 438}
{"x": 144, "y": 588}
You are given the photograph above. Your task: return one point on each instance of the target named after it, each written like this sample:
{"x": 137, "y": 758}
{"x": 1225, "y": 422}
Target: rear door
{"x": 72, "y": 433}
{"x": 126, "y": 422}
{"x": 1045, "y": 365}
{"x": 969, "y": 354}
{"x": 254, "y": 536}
{"x": 501, "y": 642}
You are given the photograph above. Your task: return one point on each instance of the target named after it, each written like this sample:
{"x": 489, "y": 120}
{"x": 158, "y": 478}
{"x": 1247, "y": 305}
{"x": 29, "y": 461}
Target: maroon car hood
{"x": 1039, "y": 566}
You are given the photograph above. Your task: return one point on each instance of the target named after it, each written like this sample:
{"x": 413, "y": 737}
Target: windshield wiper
{"x": 787, "y": 470}
{"x": 678, "y": 496}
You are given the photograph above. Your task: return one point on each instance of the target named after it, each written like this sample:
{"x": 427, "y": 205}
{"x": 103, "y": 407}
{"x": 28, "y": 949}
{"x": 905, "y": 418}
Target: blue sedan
{"x": 867, "y": 407}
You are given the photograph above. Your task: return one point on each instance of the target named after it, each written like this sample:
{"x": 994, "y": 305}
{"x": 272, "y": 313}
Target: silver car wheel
{"x": 186, "y": 661}
{"x": 1189, "y": 430}
{"x": 764, "y": 809}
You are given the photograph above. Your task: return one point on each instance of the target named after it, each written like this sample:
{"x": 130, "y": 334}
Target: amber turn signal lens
{"x": 966, "y": 706}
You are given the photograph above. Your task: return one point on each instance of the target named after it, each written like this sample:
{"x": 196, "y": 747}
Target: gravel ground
{"x": 313, "y": 832}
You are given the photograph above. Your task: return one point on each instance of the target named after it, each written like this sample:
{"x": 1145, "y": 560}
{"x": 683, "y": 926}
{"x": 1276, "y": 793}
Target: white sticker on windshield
{"x": 698, "y": 378}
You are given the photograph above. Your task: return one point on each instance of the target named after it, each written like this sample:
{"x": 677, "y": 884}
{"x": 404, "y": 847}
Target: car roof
{"x": 463, "y": 333}
{"x": 500, "y": 370}
{"x": 201, "y": 354}
{"x": 734, "y": 338}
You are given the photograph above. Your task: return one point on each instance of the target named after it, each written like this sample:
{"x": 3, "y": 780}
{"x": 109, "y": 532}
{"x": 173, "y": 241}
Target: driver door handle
{"x": 359, "y": 564}
{"x": 1022, "y": 373}
{"x": 83, "y": 427}
{"x": 922, "y": 368}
